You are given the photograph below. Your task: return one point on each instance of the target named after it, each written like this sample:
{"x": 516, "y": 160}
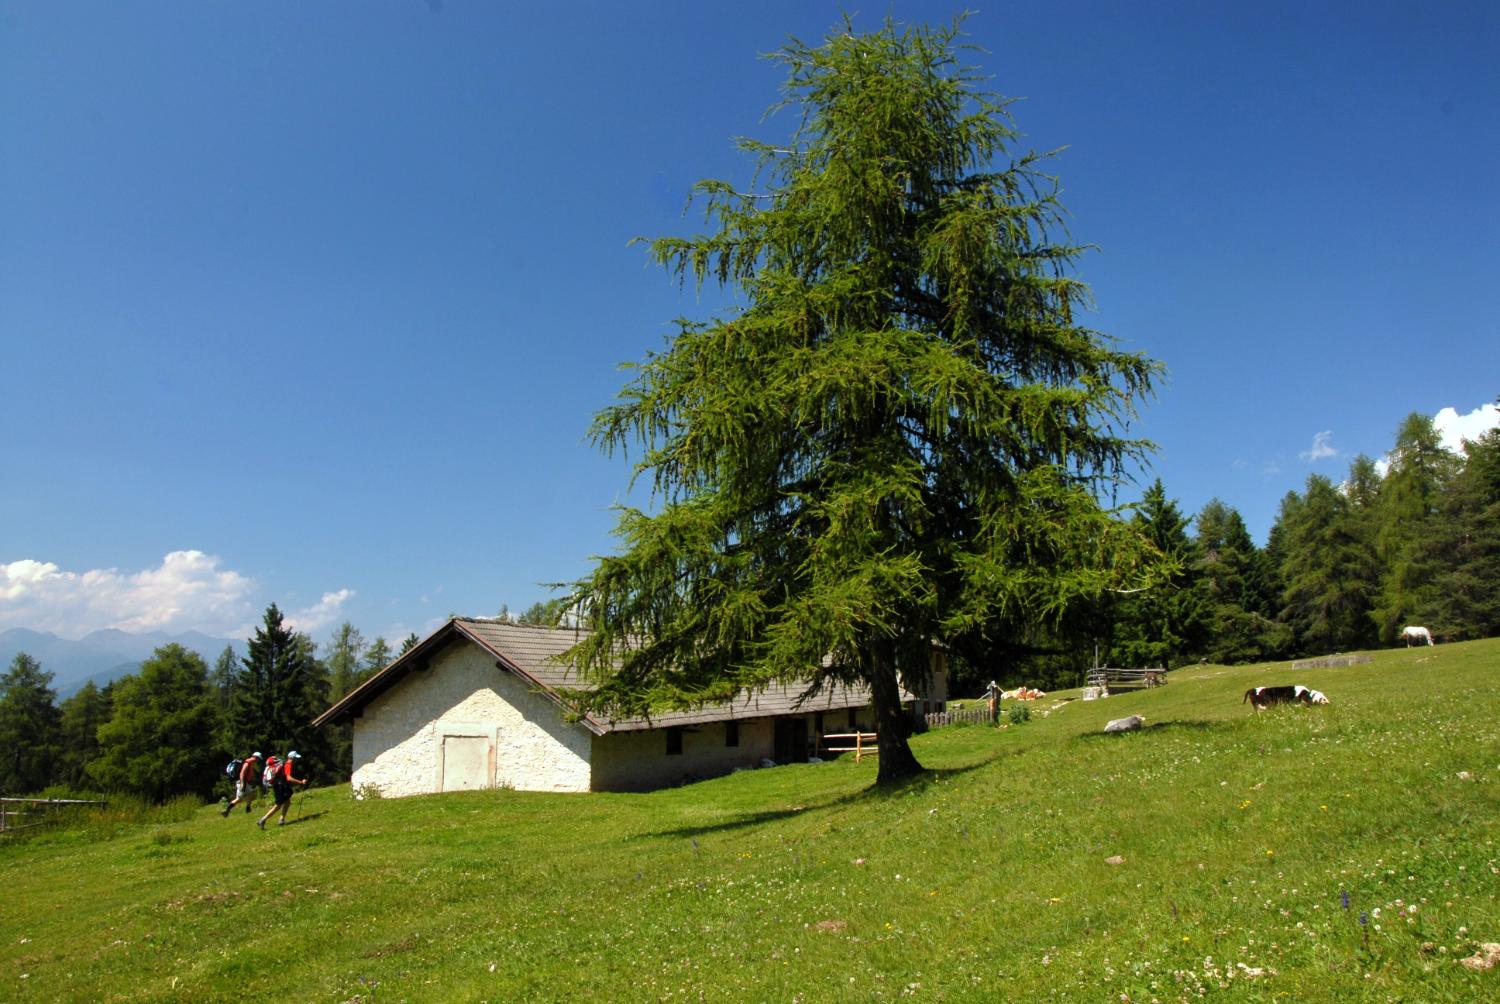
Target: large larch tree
{"x": 901, "y": 436}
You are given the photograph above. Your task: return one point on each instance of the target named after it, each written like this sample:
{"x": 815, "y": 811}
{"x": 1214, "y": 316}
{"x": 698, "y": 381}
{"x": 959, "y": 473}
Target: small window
{"x": 674, "y": 742}
{"x": 853, "y": 719}
{"x": 731, "y": 733}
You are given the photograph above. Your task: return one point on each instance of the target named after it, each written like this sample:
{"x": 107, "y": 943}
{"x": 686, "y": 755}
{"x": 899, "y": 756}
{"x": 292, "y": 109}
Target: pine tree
{"x": 345, "y": 652}
{"x": 1161, "y": 626}
{"x": 1408, "y": 530}
{"x": 82, "y": 714}
{"x": 1230, "y": 566}
{"x": 901, "y": 437}
{"x": 29, "y": 738}
{"x": 1330, "y": 572}
{"x": 279, "y": 690}
{"x": 221, "y": 678}
{"x": 1465, "y": 599}
{"x": 377, "y": 657}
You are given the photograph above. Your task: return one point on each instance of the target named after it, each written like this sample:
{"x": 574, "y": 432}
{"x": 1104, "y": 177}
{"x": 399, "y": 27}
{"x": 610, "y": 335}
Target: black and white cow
{"x": 1264, "y": 697}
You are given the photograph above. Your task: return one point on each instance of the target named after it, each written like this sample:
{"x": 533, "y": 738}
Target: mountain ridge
{"x": 104, "y": 655}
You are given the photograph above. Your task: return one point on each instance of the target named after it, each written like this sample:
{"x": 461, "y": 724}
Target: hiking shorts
{"x": 242, "y": 792}
{"x": 281, "y": 791}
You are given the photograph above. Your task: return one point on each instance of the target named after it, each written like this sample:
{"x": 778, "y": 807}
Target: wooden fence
{"x": 1103, "y": 676}
{"x": 974, "y": 716}
{"x": 861, "y": 744}
{"x": 20, "y": 813}
{"x": 1330, "y": 662}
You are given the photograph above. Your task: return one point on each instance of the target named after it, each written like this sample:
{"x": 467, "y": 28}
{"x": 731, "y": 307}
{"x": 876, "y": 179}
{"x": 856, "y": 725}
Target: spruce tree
{"x": 903, "y": 434}
{"x": 1330, "y": 571}
{"x": 1408, "y": 528}
{"x": 82, "y": 714}
{"x": 29, "y": 739}
{"x": 279, "y": 690}
{"x": 377, "y": 657}
{"x": 221, "y": 677}
{"x": 1161, "y": 626}
{"x": 1465, "y": 599}
{"x": 1229, "y": 567}
{"x": 345, "y": 652}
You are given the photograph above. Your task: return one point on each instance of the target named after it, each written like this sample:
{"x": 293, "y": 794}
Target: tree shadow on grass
{"x": 873, "y": 793}
{"x": 1181, "y": 725}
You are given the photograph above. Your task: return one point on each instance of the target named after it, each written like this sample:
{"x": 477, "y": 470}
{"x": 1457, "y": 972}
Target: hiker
{"x": 245, "y": 783}
{"x": 272, "y": 765}
{"x": 281, "y": 789}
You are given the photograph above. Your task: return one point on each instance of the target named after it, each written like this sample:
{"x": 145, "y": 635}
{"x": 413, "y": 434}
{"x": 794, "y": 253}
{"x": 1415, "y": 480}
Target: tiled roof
{"x": 532, "y": 654}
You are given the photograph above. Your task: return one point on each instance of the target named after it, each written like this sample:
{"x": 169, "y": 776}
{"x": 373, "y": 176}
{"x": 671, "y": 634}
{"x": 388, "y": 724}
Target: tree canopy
{"x": 29, "y": 726}
{"x": 159, "y": 740}
{"x": 903, "y": 435}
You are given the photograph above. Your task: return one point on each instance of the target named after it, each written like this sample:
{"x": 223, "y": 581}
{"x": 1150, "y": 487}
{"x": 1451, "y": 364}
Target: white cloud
{"x": 1454, "y": 428}
{"x": 187, "y": 591}
{"x": 320, "y": 614}
{"x": 1321, "y": 448}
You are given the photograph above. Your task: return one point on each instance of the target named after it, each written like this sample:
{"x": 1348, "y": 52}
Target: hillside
{"x": 1240, "y": 836}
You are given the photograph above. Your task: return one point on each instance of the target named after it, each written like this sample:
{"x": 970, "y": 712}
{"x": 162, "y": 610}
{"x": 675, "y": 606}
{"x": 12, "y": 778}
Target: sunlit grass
{"x": 1239, "y": 837}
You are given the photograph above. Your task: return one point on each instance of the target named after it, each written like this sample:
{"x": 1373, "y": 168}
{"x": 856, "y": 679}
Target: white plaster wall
{"x": 398, "y": 738}
{"x": 638, "y": 761}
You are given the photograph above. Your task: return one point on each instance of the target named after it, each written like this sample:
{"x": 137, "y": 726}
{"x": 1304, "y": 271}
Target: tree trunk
{"x": 897, "y": 761}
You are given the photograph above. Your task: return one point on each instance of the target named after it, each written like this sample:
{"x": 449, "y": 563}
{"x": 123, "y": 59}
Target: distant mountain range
{"x": 103, "y": 655}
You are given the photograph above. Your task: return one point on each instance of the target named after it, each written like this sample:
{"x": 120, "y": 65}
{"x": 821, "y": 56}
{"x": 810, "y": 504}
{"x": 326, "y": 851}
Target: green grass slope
{"x": 1236, "y": 838}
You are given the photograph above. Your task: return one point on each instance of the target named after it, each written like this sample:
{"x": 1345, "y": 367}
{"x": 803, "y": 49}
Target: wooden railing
{"x": 14, "y": 818}
{"x": 861, "y": 744}
{"x": 1103, "y": 676}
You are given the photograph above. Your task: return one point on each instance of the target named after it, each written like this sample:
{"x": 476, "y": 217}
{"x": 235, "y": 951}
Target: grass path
{"x": 1238, "y": 835}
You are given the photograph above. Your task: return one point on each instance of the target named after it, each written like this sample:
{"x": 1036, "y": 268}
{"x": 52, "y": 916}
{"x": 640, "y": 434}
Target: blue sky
{"x": 312, "y": 302}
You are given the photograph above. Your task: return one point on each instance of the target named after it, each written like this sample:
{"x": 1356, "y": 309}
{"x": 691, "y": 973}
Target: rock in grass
{"x": 1125, "y": 724}
{"x": 1114, "y": 859}
{"x": 1485, "y": 958}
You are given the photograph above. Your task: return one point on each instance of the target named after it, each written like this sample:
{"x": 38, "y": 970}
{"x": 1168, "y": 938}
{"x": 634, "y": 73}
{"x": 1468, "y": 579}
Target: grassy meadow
{"x": 1303, "y": 854}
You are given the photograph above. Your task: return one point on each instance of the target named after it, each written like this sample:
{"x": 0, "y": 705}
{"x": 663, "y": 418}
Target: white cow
{"x": 1411, "y": 634}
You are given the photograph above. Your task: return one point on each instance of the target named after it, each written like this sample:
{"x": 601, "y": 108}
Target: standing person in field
{"x": 245, "y": 783}
{"x": 281, "y": 789}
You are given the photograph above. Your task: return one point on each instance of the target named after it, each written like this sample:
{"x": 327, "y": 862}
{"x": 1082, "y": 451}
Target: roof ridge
{"x": 510, "y": 623}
